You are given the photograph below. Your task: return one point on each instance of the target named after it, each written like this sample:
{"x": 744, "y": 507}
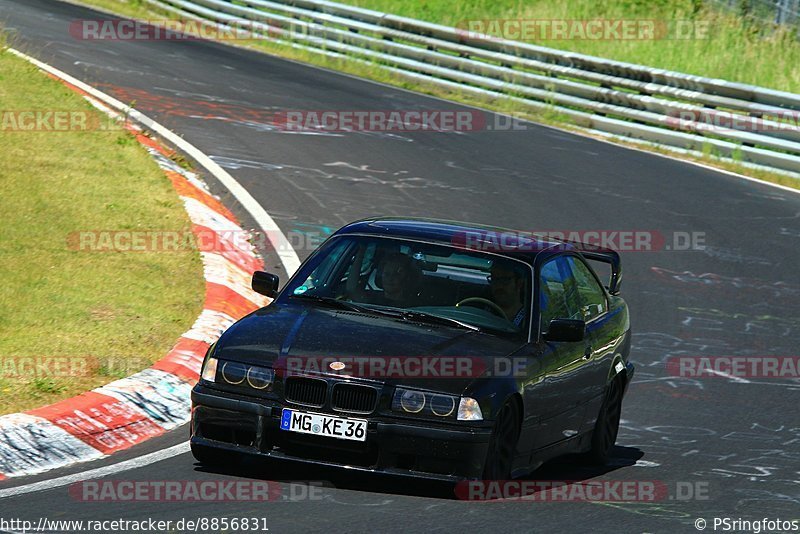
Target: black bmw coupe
{"x": 423, "y": 348}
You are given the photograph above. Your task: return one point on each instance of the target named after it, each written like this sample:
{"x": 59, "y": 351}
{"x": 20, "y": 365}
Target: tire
{"x": 606, "y": 427}
{"x": 502, "y": 444}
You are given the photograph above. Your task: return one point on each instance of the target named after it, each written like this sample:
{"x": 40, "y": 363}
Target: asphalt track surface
{"x": 736, "y": 439}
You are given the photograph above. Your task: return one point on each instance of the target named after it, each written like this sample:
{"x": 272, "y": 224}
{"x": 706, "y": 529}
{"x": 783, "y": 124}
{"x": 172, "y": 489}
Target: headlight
{"x": 469, "y": 410}
{"x": 411, "y": 401}
{"x": 234, "y": 372}
{"x": 209, "y": 372}
{"x": 443, "y": 405}
{"x": 238, "y": 374}
{"x": 259, "y": 377}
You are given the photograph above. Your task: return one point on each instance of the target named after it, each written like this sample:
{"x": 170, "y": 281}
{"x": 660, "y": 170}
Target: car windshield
{"x": 388, "y": 275}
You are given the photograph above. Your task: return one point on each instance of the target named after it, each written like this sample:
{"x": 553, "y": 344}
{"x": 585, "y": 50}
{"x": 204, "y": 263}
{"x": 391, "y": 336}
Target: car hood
{"x": 306, "y": 338}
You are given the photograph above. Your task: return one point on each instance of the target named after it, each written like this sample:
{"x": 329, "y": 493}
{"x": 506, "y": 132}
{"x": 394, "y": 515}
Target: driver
{"x": 399, "y": 279}
{"x": 506, "y": 286}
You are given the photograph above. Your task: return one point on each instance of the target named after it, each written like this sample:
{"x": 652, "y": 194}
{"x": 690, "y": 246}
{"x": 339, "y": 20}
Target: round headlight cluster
{"x": 259, "y": 377}
{"x": 443, "y": 405}
{"x": 424, "y": 403}
{"x": 236, "y": 373}
{"x": 412, "y": 401}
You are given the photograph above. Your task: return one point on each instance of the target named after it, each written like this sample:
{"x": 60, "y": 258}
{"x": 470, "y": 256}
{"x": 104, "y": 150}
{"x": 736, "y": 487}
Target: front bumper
{"x": 251, "y": 426}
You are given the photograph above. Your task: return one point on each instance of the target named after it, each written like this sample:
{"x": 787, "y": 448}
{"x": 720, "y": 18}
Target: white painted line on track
{"x": 283, "y": 248}
{"x": 726, "y": 375}
{"x": 99, "y": 472}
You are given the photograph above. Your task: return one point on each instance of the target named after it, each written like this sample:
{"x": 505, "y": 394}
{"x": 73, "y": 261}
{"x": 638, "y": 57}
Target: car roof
{"x": 516, "y": 244}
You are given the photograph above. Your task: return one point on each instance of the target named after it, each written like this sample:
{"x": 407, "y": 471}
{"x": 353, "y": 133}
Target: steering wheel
{"x": 494, "y": 307}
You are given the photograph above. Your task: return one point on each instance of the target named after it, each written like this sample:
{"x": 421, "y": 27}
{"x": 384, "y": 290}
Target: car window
{"x": 486, "y": 290}
{"x": 592, "y": 297}
{"x": 324, "y": 276}
{"x": 558, "y": 293}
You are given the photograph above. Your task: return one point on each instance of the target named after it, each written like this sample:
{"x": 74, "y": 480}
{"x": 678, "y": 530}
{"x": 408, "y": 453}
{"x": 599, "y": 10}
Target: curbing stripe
{"x": 164, "y": 397}
{"x": 187, "y": 189}
{"x": 229, "y": 246}
{"x": 209, "y": 326}
{"x": 30, "y": 444}
{"x": 225, "y": 300}
{"x": 101, "y": 421}
{"x": 221, "y": 271}
{"x": 184, "y": 360}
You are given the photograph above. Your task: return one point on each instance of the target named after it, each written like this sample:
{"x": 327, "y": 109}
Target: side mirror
{"x": 571, "y": 330}
{"x": 265, "y": 283}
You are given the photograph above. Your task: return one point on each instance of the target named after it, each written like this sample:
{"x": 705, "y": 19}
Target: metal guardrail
{"x": 773, "y": 11}
{"x": 622, "y": 99}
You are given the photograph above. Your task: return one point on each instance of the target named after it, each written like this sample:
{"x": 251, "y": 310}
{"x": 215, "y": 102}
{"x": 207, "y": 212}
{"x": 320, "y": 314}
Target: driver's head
{"x": 506, "y": 285}
{"x": 399, "y": 274}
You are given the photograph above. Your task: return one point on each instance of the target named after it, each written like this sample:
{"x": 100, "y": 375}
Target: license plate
{"x": 324, "y": 425}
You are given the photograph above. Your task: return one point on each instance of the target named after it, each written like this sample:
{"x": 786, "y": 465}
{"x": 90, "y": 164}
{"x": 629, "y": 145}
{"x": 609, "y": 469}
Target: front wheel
{"x": 502, "y": 444}
{"x": 606, "y": 427}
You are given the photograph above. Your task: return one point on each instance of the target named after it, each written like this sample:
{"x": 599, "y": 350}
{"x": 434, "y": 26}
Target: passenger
{"x": 506, "y": 286}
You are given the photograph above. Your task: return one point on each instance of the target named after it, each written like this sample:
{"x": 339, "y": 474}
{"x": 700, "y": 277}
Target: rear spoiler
{"x": 612, "y": 258}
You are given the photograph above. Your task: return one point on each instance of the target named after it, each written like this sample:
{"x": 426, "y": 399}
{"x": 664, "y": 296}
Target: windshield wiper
{"x": 421, "y": 317}
{"x": 425, "y": 317}
{"x": 334, "y": 303}
{"x": 396, "y": 313}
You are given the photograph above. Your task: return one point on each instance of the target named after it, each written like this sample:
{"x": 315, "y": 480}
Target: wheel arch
{"x": 516, "y": 398}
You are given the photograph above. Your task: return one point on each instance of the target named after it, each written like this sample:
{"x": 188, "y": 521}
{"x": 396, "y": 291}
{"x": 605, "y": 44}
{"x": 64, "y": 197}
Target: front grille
{"x": 354, "y": 398}
{"x": 308, "y": 391}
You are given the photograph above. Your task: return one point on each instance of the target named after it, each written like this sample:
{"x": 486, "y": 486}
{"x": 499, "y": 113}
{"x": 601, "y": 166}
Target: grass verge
{"x": 707, "y": 41}
{"x": 72, "y": 320}
{"x": 730, "y": 40}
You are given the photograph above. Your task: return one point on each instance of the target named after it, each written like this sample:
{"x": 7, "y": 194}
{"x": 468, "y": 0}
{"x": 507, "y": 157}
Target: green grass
{"x": 738, "y": 50}
{"x": 130, "y": 8}
{"x": 122, "y": 310}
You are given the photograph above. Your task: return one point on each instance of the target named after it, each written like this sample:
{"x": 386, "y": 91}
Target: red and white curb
{"x": 129, "y": 411}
